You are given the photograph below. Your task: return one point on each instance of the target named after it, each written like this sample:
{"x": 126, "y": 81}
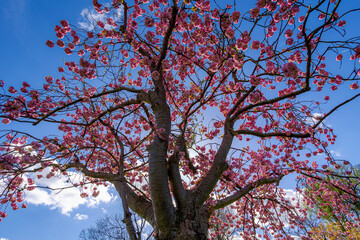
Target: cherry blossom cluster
{"x": 219, "y": 75}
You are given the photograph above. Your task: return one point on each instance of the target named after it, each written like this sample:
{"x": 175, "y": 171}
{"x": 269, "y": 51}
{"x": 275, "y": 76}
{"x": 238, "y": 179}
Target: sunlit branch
{"x": 244, "y": 191}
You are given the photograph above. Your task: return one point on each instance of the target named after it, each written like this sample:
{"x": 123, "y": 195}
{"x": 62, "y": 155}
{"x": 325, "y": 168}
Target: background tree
{"x": 113, "y": 228}
{"x": 335, "y": 224}
{"x": 187, "y": 107}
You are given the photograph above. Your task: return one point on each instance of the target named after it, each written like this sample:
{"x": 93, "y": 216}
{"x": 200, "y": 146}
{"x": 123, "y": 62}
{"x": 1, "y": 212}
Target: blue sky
{"x": 26, "y": 25}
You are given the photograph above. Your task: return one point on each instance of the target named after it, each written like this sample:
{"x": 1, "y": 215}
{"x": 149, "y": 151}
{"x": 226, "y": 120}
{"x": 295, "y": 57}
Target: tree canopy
{"x": 335, "y": 223}
{"x": 187, "y": 107}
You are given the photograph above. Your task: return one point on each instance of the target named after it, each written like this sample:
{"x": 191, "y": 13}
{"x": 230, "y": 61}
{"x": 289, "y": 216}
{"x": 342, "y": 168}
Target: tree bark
{"x": 191, "y": 223}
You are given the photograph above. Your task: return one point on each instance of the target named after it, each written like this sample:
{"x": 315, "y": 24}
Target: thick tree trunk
{"x": 191, "y": 224}
{"x": 191, "y": 229}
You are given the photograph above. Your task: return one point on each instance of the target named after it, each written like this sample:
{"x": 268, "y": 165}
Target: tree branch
{"x": 112, "y": 109}
{"x": 245, "y": 190}
{"x": 334, "y": 109}
{"x": 167, "y": 36}
{"x": 82, "y": 99}
{"x": 219, "y": 165}
{"x": 272, "y": 134}
{"x": 177, "y": 187}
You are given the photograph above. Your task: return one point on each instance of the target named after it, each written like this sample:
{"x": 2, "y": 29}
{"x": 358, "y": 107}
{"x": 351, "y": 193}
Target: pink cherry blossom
{"x": 50, "y": 43}
{"x": 255, "y": 12}
{"x": 354, "y": 86}
{"x": 290, "y": 70}
{"x": 339, "y": 57}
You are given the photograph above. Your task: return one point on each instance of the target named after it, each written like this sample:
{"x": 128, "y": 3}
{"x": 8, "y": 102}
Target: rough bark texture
{"x": 194, "y": 225}
{"x": 191, "y": 223}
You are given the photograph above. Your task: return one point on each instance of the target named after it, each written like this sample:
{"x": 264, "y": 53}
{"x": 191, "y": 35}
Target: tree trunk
{"x": 190, "y": 225}
{"x": 191, "y": 229}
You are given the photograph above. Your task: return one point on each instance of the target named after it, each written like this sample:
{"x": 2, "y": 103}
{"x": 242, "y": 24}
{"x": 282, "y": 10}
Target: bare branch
{"x": 272, "y": 134}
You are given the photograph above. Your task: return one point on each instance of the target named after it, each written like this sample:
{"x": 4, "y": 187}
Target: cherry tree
{"x": 187, "y": 107}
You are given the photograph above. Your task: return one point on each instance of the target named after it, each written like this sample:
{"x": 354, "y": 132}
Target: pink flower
{"x": 339, "y": 57}
{"x": 235, "y": 17}
{"x": 5, "y": 121}
{"x": 100, "y": 24}
{"x": 95, "y": 193}
{"x": 64, "y": 23}
{"x": 3, "y": 214}
{"x": 290, "y": 70}
{"x": 46, "y": 87}
{"x": 68, "y": 51}
{"x": 230, "y": 33}
{"x": 354, "y": 86}
{"x": 149, "y": 22}
{"x": 81, "y": 52}
{"x": 83, "y": 195}
{"x": 90, "y": 34}
{"x": 261, "y": 3}
{"x": 288, "y": 33}
{"x": 155, "y": 75}
{"x": 254, "y": 97}
{"x": 57, "y": 28}
{"x": 60, "y": 43}
{"x": 357, "y": 53}
{"x": 255, "y": 12}
{"x": 255, "y": 80}
{"x": 255, "y": 45}
{"x": 49, "y": 79}
{"x": 322, "y": 16}
{"x": 341, "y": 23}
{"x": 59, "y": 35}
{"x": 125, "y": 53}
{"x": 12, "y": 90}
{"x": 333, "y": 87}
{"x": 314, "y": 165}
{"x": 289, "y": 41}
{"x": 301, "y": 19}
{"x": 50, "y": 43}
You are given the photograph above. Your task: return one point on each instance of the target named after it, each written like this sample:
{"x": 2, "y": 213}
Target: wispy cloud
{"x": 80, "y": 217}
{"x": 90, "y": 18}
{"x": 335, "y": 153}
{"x": 15, "y": 12}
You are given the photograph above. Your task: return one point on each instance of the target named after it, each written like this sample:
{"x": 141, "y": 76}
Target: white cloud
{"x": 293, "y": 196}
{"x": 104, "y": 210}
{"x": 314, "y": 118}
{"x": 4, "y": 239}
{"x": 68, "y": 199}
{"x": 90, "y": 17}
{"x": 80, "y": 217}
{"x": 335, "y": 153}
